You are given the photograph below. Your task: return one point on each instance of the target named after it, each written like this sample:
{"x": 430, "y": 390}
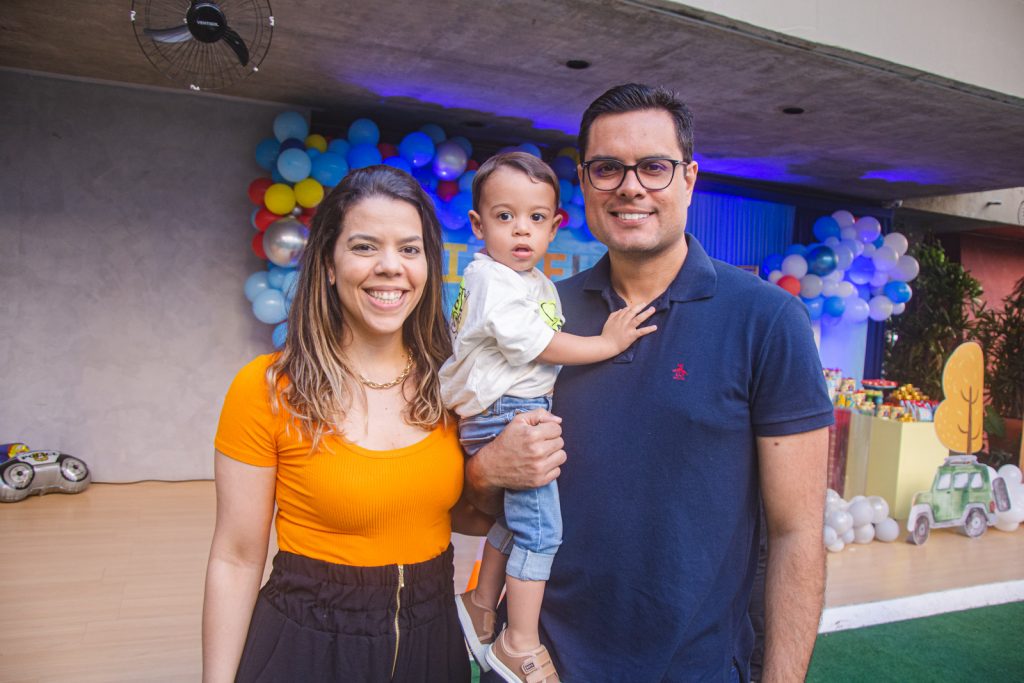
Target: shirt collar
{"x": 696, "y": 279}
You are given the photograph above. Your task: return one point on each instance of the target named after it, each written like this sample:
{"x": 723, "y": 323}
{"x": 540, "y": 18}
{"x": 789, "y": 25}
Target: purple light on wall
{"x": 771, "y": 169}
{"x": 918, "y": 176}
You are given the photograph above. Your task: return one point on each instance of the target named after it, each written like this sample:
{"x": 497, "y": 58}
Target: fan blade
{"x": 237, "y": 44}
{"x": 178, "y": 34}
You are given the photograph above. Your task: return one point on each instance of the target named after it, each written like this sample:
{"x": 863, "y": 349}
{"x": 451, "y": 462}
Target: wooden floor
{"x": 107, "y": 585}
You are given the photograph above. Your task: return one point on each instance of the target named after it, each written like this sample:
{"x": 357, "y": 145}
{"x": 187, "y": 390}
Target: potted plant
{"x": 1001, "y": 334}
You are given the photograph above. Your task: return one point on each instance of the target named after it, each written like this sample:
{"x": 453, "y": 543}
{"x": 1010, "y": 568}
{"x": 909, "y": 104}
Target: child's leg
{"x": 524, "y": 601}
{"x": 491, "y": 578}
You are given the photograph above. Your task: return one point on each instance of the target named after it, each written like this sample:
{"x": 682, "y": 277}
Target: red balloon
{"x": 309, "y": 211}
{"x": 472, "y": 165}
{"x": 386, "y": 150}
{"x": 257, "y": 189}
{"x": 305, "y": 219}
{"x": 790, "y": 284}
{"x": 257, "y": 246}
{"x": 264, "y": 217}
{"x": 446, "y": 189}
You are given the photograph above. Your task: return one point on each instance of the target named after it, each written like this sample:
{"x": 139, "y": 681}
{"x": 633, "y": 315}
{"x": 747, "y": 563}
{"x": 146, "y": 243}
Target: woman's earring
{"x": 330, "y": 278}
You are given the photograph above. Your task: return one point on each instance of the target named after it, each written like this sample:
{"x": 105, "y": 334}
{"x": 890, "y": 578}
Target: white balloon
{"x": 864, "y": 534}
{"x": 810, "y": 286}
{"x": 849, "y": 536}
{"x": 831, "y": 241}
{"x": 855, "y": 246}
{"x": 868, "y": 250}
{"x": 1011, "y": 473}
{"x": 830, "y": 536}
{"x": 848, "y": 233}
{"x": 846, "y": 290}
{"x": 856, "y": 311}
{"x": 843, "y": 218}
{"x": 878, "y": 278}
{"x": 840, "y": 520}
{"x": 906, "y": 268}
{"x": 1004, "y": 525}
{"x": 795, "y": 265}
{"x": 836, "y": 547}
{"x": 835, "y": 276}
{"x": 885, "y": 258}
{"x": 888, "y": 530}
{"x": 774, "y": 276}
{"x": 898, "y": 242}
{"x": 880, "y": 308}
{"x": 829, "y": 288}
{"x": 868, "y": 228}
{"x": 844, "y": 257}
{"x": 898, "y": 308}
{"x": 879, "y": 509}
{"x": 831, "y": 495}
{"x": 861, "y": 512}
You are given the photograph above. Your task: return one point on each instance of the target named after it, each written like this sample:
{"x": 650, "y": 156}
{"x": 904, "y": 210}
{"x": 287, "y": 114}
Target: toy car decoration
{"x": 964, "y": 494}
{"x": 41, "y": 472}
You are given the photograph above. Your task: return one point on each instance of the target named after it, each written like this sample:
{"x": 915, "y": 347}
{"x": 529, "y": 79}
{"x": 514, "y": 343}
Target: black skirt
{"x": 318, "y": 621}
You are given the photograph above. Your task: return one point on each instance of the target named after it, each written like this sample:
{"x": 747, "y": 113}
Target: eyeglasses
{"x": 607, "y": 175}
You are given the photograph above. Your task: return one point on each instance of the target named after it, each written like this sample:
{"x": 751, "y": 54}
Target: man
{"x": 673, "y": 444}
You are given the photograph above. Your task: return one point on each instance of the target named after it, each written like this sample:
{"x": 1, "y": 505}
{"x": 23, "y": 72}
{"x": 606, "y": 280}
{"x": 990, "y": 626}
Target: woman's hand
{"x": 527, "y": 454}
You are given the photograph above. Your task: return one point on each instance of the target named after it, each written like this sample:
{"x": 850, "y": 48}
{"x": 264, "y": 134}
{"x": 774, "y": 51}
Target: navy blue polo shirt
{"x": 660, "y": 493}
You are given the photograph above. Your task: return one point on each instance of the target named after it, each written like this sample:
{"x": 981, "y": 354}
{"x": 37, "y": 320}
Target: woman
{"x": 345, "y": 429}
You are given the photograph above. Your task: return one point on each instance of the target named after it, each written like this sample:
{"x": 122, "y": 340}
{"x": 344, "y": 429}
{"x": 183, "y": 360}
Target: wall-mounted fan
{"x": 204, "y": 45}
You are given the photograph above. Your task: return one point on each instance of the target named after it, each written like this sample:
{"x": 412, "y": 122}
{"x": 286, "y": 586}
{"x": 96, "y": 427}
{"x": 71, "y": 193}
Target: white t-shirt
{"x": 502, "y": 320}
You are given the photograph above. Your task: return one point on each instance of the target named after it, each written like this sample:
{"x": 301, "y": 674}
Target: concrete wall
{"x": 124, "y": 244}
{"x": 977, "y": 42}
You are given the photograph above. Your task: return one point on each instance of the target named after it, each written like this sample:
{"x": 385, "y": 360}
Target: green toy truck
{"x": 964, "y": 494}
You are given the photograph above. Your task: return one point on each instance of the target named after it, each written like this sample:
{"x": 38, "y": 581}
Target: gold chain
{"x": 387, "y": 385}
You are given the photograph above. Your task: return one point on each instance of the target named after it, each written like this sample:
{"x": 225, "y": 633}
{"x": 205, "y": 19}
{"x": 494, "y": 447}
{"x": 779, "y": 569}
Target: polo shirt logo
{"x": 679, "y": 373}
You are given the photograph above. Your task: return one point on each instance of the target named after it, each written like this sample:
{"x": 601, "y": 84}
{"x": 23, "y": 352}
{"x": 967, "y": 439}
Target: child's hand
{"x": 623, "y": 326}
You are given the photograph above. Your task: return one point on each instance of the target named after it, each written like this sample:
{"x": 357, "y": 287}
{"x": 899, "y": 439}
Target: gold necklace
{"x": 396, "y": 381}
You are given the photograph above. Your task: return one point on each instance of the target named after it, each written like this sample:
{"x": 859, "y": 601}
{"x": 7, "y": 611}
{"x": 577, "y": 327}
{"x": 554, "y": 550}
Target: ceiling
{"x": 495, "y": 70}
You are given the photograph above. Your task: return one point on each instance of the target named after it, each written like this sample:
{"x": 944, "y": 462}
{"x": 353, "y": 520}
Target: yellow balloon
{"x": 569, "y": 152}
{"x": 317, "y": 142}
{"x": 309, "y": 193}
{"x": 280, "y": 199}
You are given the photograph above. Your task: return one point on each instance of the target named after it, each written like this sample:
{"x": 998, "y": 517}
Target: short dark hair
{"x": 526, "y": 163}
{"x": 638, "y": 97}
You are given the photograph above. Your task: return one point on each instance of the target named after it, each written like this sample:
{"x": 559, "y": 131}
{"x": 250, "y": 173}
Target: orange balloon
{"x": 790, "y": 284}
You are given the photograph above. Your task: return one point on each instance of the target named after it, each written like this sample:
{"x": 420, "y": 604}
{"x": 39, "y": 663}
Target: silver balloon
{"x": 450, "y": 160}
{"x": 284, "y": 241}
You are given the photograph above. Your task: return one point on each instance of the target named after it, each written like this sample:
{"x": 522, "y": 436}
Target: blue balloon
{"x": 290, "y": 124}
{"x": 576, "y": 216}
{"x": 399, "y": 162}
{"x": 564, "y": 168}
{"x": 861, "y": 270}
{"x": 276, "y": 275}
{"x": 457, "y": 236}
{"x": 864, "y": 292}
{"x": 266, "y": 153}
{"x": 436, "y": 201}
{"x": 363, "y": 132}
{"x": 329, "y": 168}
{"x": 826, "y": 227}
{"x": 821, "y": 260}
{"x": 879, "y": 241}
{"x": 252, "y": 218}
{"x": 294, "y": 165}
{"x": 466, "y": 181}
{"x": 577, "y": 195}
{"x": 256, "y": 283}
{"x": 276, "y": 176}
{"x": 361, "y": 156}
{"x": 795, "y": 249}
{"x": 530, "y": 148}
{"x": 815, "y": 307}
{"x": 435, "y": 133}
{"x": 292, "y": 143}
{"x": 339, "y": 146}
{"x": 464, "y": 144}
{"x": 770, "y": 263}
{"x": 565, "y": 190}
{"x": 425, "y": 175}
{"x": 313, "y": 152}
{"x": 279, "y": 335}
{"x": 834, "y": 306}
{"x": 417, "y": 148}
{"x": 450, "y": 217}
{"x": 461, "y": 204}
{"x": 290, "y": 283}
{"x": 269, "y": 307}
{"x": 899, "y": 292}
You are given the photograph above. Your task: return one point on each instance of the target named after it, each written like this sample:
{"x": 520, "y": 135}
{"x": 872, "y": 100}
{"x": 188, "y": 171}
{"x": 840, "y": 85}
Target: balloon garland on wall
{"x": 853, "y": 273}
{"x": 303, "y": 168}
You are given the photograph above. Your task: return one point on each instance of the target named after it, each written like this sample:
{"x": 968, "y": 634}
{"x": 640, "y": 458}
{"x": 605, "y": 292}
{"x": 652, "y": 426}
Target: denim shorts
{"x": 531, "y": 529}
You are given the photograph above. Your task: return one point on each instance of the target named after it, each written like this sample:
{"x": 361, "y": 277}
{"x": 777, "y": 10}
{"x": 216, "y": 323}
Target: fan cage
{"x": 198, "y": 65}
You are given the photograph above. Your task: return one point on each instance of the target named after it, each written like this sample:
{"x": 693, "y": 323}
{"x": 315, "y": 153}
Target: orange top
{"x": 344, "y": 503}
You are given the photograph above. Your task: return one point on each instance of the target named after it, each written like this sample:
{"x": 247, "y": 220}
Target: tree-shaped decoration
{"x": 958, "y": 420}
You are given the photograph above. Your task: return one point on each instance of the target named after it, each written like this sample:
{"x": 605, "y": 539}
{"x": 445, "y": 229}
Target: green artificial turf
{"x": 984, "y": 644}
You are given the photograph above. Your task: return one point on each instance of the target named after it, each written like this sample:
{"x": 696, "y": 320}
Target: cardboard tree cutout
{"x": 964, "y": 493}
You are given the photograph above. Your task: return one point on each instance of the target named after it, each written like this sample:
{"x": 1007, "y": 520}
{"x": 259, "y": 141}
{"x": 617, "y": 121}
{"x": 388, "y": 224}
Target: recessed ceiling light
{"x": 578, "y": 64}
{"x": 793, "y": 111}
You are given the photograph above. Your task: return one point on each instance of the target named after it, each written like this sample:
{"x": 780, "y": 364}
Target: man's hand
{"x": 527, "y": 454}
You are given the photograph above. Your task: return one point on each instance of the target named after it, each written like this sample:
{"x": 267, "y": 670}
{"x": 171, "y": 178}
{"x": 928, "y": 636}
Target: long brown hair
{"x": 320, "y": 382}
